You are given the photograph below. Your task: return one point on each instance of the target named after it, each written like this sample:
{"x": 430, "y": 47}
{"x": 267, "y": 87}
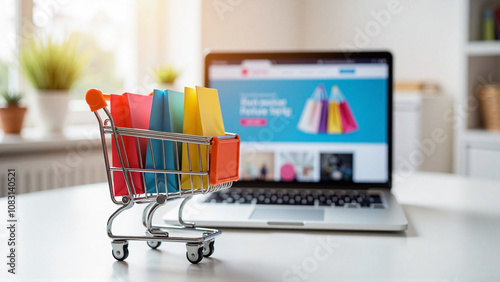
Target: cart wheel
{"x": 120, "y": 254}
{"x": 195, "y": 257}
{"x": 153, "y": 244}
{"x": 210, "y": 250}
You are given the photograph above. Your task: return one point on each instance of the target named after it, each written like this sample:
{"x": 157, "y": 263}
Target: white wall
{"x": 423, "y": 35}
{"x": 235, "y": 25}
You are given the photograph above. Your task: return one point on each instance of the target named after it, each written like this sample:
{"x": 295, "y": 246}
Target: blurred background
{"x": 444, "y": 52}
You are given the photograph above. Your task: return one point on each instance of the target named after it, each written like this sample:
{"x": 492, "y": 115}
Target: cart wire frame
{"x": 197, "y": 247}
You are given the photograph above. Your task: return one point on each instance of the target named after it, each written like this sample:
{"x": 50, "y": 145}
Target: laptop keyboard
{"x": 340, "y": 198}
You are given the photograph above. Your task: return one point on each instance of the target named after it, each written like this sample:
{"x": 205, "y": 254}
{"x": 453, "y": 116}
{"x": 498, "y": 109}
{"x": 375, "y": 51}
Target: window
{"x": 125, "y": 40}
{"x": 103, "y": 29}
{"x": 8, "y": 44}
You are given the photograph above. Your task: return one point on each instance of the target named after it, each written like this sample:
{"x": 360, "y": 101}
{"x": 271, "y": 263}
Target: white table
{"x": 453, "y": 235}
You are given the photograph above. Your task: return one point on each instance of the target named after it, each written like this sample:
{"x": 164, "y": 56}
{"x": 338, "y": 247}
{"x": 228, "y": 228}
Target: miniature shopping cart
{"x": 221, "y": 168}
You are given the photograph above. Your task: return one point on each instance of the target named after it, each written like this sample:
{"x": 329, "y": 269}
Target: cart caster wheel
{"x": 208, "y": 251}
{"x": 121, "y": 254}
{"x": 153, "y": 244}
{"x": 195, "y": 257}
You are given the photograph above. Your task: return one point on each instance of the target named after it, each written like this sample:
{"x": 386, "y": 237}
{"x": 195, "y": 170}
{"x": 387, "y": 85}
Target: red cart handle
{"x": 96, "y": 100}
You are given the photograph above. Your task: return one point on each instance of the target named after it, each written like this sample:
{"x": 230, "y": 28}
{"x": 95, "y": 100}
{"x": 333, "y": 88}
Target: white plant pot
{"x": 50, "y": 109}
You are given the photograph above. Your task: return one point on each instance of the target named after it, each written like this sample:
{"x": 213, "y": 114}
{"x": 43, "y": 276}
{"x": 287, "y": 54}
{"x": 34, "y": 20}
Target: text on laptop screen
{"x": 307, "y": 121}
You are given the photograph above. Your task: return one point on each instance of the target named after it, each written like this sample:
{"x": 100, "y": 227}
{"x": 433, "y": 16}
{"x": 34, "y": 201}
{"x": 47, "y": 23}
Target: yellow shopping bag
{"x": 334, "y": 122}
{"x": 202, "y": 116}
{"x": 334, "y": 125}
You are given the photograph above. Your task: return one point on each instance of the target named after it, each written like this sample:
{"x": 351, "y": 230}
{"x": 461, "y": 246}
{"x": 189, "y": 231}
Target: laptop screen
{"x": 307, "y": 119}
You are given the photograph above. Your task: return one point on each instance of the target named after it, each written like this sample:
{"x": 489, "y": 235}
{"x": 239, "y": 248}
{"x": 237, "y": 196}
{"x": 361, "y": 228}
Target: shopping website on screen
{"x": 306, "y": 123}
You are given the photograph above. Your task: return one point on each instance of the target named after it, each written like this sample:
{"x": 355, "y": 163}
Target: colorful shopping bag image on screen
{"x": 333, "y": 116}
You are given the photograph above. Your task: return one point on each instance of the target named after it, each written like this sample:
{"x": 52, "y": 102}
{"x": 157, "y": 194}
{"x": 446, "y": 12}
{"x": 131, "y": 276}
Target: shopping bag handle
{"x": 96, "y": 100}
{"x": 336, "y": 95}
{"x": 319, "y": 93}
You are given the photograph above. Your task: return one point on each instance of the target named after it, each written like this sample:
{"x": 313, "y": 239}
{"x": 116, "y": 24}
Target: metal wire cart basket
{"x": 219, "y": 172}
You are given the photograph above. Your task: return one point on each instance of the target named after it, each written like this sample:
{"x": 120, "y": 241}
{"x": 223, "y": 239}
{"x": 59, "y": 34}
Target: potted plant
{"x": 52, "y": 68}
{"x": 166, "y": 76}
{"x": 12, "y": 116}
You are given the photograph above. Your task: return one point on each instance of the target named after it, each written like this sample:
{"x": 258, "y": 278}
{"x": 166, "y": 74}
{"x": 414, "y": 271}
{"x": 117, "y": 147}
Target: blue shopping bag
{"x": 164, "y": 117}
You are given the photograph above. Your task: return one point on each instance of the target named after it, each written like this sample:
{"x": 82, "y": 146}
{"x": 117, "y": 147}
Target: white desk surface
{"x": 453, "y": 235}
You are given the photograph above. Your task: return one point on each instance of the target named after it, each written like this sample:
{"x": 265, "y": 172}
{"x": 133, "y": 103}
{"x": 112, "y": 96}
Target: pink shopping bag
{"x": 315, "y": 117}
{"x": 311, "y": 114}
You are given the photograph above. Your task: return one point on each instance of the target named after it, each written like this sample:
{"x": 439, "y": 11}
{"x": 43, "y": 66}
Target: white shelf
{"x": 483, "y": 48}
{"x": 481, "y": 137}
{"x": 32, "y": 140}
{"x": 477, "y": 150}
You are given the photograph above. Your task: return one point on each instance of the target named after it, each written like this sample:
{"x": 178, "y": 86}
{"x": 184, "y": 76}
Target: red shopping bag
{"x": 349, "y": 123}
{"x": 133, "y": 111}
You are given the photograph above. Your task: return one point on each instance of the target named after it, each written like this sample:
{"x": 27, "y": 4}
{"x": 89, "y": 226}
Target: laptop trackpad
{"x": 288, "y": 214}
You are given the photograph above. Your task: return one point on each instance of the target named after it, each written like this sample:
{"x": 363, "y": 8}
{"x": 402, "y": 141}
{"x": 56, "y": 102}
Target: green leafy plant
{"x": 12, "y": 99}
{"x": 50, "y": 65}
{"x": 166, "y": 74}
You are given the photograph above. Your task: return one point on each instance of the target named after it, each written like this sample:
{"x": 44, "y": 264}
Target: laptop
{"x": 316, "y": 142}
